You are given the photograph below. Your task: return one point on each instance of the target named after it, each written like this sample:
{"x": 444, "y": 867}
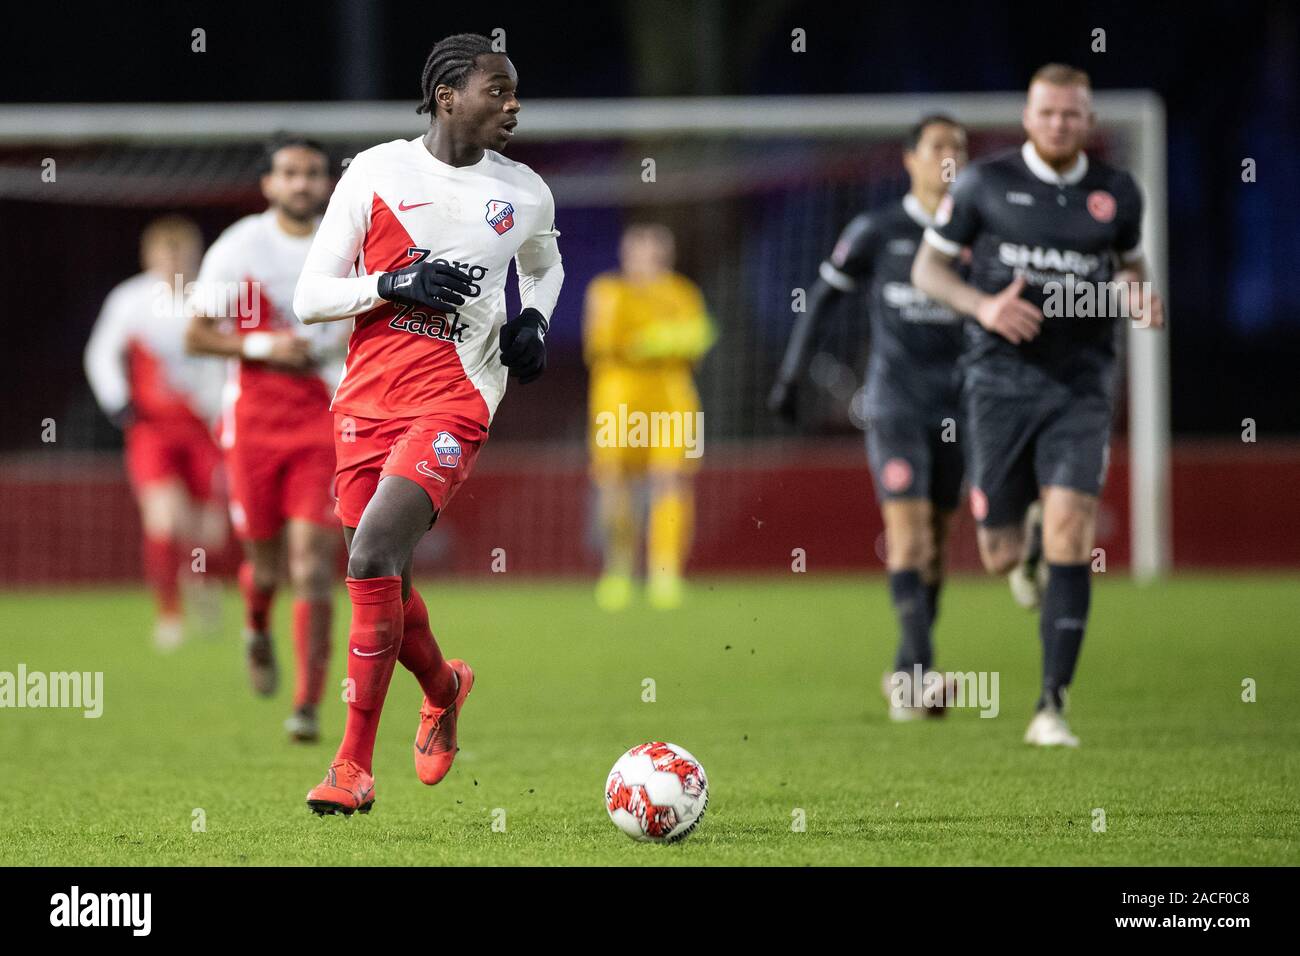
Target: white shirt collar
{"x": 912, "y": 206}
{"x": 1038, "y": 166}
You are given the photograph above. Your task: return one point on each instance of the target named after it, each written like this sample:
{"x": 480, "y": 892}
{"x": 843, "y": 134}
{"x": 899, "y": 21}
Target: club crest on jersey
{"x": 1102, "y": 205}
{"x": 447, "y": 450}
{"x": 500, "y": 216}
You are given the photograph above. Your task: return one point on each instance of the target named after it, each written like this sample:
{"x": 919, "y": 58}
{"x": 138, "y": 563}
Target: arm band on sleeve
{"x": 946, "y": 246}
{"x": 834, "y": 277}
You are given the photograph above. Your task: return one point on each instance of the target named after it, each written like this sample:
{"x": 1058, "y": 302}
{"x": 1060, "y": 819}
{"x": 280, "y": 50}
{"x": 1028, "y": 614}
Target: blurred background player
{"x": 1040, "y": 392}
{"x": 644, "y": 329}
{"x": 164, "y": 401}
{"x": 276, "y": 426}
{"x": 416, "y": 243}
{"x": 912, "y": 392}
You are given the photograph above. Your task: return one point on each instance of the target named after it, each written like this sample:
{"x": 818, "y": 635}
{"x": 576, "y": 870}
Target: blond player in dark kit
{"x": 1040, "y": 381}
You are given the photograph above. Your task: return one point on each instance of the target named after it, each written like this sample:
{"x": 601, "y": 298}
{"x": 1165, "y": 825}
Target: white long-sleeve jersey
{"x": 395, "y": 206}
{"x": 247, "y": 281}
{"x": 136, "y": 355}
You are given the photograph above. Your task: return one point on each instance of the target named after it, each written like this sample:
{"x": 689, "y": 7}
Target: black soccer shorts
{"x": 910, "y": 459}
{"x": 1019, "y": 443}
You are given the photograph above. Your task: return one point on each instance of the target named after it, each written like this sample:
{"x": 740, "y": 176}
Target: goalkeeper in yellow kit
{"x": 644, "y": 329}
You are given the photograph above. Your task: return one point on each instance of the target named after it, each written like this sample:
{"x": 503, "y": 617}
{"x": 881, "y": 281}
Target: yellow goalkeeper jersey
{"x": 641, "y": 341}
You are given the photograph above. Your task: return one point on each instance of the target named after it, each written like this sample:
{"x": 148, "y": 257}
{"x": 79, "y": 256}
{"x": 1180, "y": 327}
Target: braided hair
{"x": 450, "y": 63}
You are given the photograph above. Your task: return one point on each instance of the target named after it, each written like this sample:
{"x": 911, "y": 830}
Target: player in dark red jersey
{"x": 416, "y": 244}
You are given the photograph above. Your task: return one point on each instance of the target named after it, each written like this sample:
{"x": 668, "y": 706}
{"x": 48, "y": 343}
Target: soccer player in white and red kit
{"x": 164, "y": 401}
{"x": 275, "y": 425}
{"x": 416, "y": 244}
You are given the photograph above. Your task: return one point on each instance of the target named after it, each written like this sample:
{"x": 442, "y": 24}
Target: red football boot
{"x": 346, "y": 788}
{"x": 435, "y": 741}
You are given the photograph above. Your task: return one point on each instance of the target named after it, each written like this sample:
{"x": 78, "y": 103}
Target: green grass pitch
{"x": 773, "y": 684}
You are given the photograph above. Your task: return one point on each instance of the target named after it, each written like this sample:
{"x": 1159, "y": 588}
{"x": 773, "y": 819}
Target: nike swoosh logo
{"x": 361, "y": 653}
{"x": 403, "y": 207}
{"x": 423, "y": 468}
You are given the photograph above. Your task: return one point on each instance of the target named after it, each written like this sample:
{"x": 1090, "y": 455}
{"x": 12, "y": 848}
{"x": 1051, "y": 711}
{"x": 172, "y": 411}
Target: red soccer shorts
{"x": 270, "y": 484}
{"x": 160, "y": 451}
{"x": 435, "y": 451}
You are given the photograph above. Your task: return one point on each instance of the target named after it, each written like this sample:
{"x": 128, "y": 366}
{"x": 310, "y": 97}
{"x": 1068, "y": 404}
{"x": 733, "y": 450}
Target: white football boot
{"x": 1028, "y": 579}
{"x": 1049, "y": 729}
{"x": 897, "y": 688}
{"x": 303, "y": 726}
{"x": 168, "y": 633}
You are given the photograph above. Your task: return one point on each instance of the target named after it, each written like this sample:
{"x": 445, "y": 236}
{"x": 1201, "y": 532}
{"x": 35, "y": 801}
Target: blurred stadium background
{"x": 753, "y": 213}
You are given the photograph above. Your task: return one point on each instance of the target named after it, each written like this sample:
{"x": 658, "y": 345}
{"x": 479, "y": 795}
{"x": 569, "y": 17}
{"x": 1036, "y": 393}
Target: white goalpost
{"x": 1138, "y": 116}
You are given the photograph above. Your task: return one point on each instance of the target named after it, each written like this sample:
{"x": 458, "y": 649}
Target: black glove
{"x": 783, "y": 400}
{"x": 523, "y": 348}
{"x": 437, "y": 285}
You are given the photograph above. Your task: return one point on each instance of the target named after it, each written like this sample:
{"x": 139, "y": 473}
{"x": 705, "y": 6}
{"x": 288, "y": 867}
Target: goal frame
{"x": 1139, "y": 113}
